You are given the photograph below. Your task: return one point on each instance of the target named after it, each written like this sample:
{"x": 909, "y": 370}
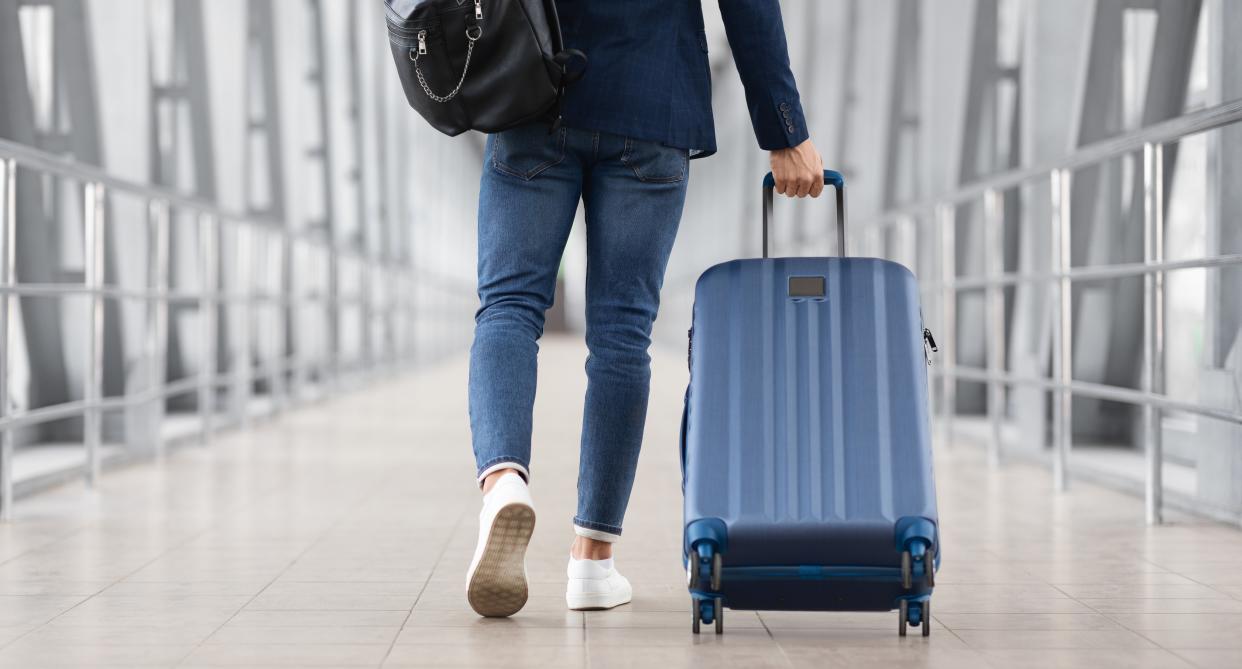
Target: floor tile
{"x": 924, "y": 656}
{"x": 1178, "y": 621}
{"x": 1139, "y": 590}
{"x": 865, "y": 638}
{"x": 1213, "y": 659}
{"x": 287, "y": 655}
{"x": 1027, "y": 621}
{"x": 487, "y": 635}
{"x": 707, "y": 652}
{"x": 321, "y": 618}
{"x": 1050, "y": 639}
{"x": 58, "y": 633}
{"x": 1218, "y": 637}
{"x": 233, "y": 634}
{"x": 27, "y": 655}
{"x": 1165, "y": 605}
{"x": 1112, "y": 658}
{"x": 678, "y": 636}
{"x": 528, "y": 656}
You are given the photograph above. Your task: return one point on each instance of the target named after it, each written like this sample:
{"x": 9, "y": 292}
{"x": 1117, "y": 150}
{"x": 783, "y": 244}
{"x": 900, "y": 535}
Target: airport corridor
{"x": 339, "y": 535}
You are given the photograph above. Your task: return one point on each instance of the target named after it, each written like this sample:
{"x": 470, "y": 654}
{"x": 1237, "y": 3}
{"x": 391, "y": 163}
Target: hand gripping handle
{"x": 831, "y": 178}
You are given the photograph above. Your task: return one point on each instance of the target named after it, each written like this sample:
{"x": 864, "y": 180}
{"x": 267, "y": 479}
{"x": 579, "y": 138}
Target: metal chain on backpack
{"x": 415, "y": 54}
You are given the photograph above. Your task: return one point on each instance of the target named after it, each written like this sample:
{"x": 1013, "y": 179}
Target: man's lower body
{"x": 633, "y": 192}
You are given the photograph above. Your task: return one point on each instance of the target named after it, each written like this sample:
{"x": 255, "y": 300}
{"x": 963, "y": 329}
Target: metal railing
{"x": 941, "y": 212}
{"x": 257, "y": 242}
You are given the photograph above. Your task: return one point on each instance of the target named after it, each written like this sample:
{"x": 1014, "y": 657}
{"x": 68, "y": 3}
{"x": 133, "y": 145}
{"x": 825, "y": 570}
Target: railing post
{"x": 994, "y": 258}
{"x": 93, "y": 249}
{"x": 157, "y": 320}
{"x": 281, "y": 306}
{"x": 8, "y": 280}
{"x": 1153, "y": 326}
{"x": 207, "y": 304}
{"x": 946, "y": 222}
{"x": 332, "y": 377}
{"x": 1062, "y": 340}
{"x": 364, "y": 310}
{"x": 298, "y": 356}
{"x": 243, "y": 264}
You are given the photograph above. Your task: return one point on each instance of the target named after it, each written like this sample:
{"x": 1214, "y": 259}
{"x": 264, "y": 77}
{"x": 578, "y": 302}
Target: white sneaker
{"x": 596, "y": 584}
{"x": 496, "y": 582}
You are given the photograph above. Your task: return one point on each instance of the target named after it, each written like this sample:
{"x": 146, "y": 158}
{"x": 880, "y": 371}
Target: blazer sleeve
{"x": 756, "y": 34}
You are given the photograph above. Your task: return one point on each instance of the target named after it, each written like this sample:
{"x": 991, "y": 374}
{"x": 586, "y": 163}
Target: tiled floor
{"x": 339, "y": 536}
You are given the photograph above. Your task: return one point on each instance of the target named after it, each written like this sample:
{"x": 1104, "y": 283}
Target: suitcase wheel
{"x": 927, "y": 560}
{"x": 917, "y": 614}
{"x": 703, "y": 572}
{"x": 707, "y": 611}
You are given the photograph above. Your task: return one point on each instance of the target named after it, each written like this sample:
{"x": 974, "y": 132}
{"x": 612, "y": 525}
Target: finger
{"x": 793, "y": 188}
{"x": 781, "y": 184}
{"x": 804, "y": 187}
{"x": 817, "y": 187}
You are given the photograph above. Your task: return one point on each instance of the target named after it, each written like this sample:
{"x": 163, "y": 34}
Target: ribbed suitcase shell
{"x": 806, "y": 427}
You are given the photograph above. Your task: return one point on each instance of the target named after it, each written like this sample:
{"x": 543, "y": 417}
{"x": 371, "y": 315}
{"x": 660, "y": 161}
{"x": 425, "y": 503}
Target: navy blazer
{"x": 649, "y": 77}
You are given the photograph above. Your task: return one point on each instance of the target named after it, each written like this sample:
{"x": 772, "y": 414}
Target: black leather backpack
{"x": 481, "y": 64}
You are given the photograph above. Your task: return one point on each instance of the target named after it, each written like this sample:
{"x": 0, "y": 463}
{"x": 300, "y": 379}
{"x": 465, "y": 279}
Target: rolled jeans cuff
{"x": 597, "y": 531}
{"x": 498, "y": 465}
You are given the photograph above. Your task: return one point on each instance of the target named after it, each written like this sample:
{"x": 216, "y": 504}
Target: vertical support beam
{"x": 985, "y": 125}
{"x": 994, "y": 242}
{"x": 180, "y": 107}
{"x": 263, "y": 112}
{"x": 1153, "y": 325}
{"x": 1062, "y": 340}
{"x": 40, "y": 260}
{"x": 901, "y": 160}
{"x": 847, "y": 79}
{"x": 323, "y": 152}
{"x": 946, "y": 222}
{"x": 8, "y": 280}
{"x": 1218, "y": 458}
{"x": 361, "y": 177}
{"x": 93, "y": 249}
{"x": 1223, "y": 326}
{"x": 157, "y": 320}
{"x": 208, "y": 304}
{"x": 263, "y": 129}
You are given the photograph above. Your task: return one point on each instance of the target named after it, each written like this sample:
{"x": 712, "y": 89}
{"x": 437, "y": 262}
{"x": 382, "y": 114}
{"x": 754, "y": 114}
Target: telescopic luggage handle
{"x": 831, "y": 178}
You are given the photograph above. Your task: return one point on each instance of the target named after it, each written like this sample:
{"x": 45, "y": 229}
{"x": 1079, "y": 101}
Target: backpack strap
{"x": 561, "y": 60}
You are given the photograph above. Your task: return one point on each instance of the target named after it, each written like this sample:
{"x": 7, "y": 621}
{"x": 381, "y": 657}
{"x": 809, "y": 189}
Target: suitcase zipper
{"x": 929, "y": 345}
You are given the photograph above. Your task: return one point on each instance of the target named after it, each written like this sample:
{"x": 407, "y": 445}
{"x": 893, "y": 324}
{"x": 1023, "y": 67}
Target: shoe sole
{"x": 595, "y": 601}
{"x": 498, "y": 585}
{"x": 591, "y": 603}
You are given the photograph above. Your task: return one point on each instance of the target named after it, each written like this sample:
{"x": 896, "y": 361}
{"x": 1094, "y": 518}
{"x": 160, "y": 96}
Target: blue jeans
{"x": 633, "y": 192}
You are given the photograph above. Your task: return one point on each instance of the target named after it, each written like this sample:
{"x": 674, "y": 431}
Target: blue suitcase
{"x": 805, "y": 447}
